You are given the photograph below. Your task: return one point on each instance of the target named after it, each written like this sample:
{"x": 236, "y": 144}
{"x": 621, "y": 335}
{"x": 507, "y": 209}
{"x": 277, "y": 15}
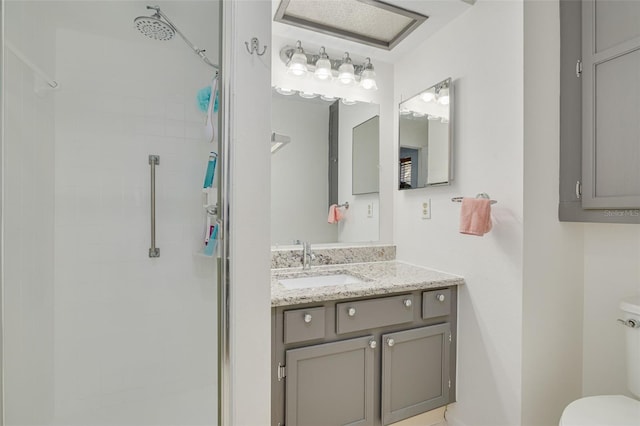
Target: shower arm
{"x": 196, "y": 50}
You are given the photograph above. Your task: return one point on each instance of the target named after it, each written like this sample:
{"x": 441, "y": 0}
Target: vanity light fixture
{"x": 325, "y": 69}
{"x": 297, "y": 64}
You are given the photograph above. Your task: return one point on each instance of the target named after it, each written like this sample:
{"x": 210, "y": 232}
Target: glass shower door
{"x": 97, "y": 332}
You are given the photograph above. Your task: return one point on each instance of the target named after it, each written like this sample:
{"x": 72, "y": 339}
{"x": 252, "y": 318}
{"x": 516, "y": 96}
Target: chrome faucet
{"x": 307, "y": 255}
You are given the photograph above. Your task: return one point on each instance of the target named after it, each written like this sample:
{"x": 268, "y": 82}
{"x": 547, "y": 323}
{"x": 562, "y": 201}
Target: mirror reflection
{"x": 366, "y": 158}
{"x": 312, "y": 168}
{"x": 426, "y": 137}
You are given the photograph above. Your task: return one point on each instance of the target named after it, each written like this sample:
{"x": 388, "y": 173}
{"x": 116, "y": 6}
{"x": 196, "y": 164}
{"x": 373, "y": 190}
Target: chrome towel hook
{"x": 255, "y": 47}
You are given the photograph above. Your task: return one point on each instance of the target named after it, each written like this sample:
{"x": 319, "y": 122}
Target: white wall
{"x": 357, "y": 225}
{"x": 553, "y": 259}
{"x": 249, "y": 107}
{"x": 28, "y": 198}
{"x": 482, "y": 51}
{"x": 611, "y": 272}
{"x": 299, "y": 179}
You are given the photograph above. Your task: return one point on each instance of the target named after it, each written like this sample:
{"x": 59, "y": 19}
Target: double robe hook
{"x": 255, "y": 47}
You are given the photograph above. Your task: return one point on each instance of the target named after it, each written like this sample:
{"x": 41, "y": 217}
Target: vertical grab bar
{"x": 154, "y": 160}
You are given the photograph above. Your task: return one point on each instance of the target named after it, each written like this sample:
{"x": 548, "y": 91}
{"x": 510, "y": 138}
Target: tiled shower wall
{"x": 135, "y": 336}
{"x": 28, "y": 197}
{"x": 96, "y": 332}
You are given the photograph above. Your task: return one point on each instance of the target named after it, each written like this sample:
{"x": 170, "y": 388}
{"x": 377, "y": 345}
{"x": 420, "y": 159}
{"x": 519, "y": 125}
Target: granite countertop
{"x": 379, "y": 278}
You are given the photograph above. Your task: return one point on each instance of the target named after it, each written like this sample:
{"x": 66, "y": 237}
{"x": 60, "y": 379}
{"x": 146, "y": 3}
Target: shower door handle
{"x": 154, "y": 160}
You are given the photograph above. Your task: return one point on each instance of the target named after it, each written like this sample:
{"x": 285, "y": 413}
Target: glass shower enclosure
{"x": 107, "y": 135}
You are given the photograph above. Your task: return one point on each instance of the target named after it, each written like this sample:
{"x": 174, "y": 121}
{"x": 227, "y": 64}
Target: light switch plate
{"x": 426, "y": 209}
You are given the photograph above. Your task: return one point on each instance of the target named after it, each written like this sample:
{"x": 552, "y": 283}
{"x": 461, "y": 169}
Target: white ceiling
{"x": 440, "y": 13}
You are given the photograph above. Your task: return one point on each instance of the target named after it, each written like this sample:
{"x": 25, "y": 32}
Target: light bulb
{"x": 368, "y": 80}
{"x": 443, "y": 97}
{"x": 346, "y": 74}
{"x": 297, "y": 65}
{"x": 328, "y": 98}
{"x": 427, "y": 96}
{"x": 348, "y": 102}
{"x": 323, "y": 70}
{"x": 323, "y": 67}
{"x": 307, "y": 95}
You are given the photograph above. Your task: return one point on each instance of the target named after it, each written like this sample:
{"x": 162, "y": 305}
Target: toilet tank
{"x": 631, "y": 311}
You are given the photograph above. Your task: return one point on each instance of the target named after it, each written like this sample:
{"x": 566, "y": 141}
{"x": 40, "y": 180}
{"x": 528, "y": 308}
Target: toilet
{"x": 614, "y": 410}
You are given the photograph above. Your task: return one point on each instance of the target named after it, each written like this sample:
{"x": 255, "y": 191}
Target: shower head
{"x": 159, "y": 27}
{"x": 154, "y": 27}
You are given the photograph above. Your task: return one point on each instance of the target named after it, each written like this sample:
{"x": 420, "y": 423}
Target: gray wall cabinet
{"x": 599, "y": 110}
{"x": 365, "y": 361}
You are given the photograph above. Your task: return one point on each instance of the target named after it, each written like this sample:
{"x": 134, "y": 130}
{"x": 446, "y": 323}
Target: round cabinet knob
{"x": 307, "y": 318}
{"x": 391, "y": 342}
{"x": 440, "y": 297}
{"x": 351, "y": 312}
{"x": 373, "y": 344}
{"x": 407, "y": 303}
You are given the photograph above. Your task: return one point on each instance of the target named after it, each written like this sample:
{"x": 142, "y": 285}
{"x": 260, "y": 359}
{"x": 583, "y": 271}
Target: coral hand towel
{"x": 335, "y": 215}
{"x": 475, "y": 216}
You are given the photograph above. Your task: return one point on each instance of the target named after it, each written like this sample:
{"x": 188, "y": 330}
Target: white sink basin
{"x": 319, "y": 281}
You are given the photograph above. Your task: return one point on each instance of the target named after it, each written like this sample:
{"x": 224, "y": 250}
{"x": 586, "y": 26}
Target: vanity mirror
{"x": 317, "y": 168}
{"x": 426, "y": 129}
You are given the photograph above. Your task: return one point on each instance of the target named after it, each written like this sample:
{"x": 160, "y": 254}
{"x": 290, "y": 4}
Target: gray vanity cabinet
{"x": 330, "y": 384}
{"x": 415, "y": 372}
{"x": 363, "y": 361}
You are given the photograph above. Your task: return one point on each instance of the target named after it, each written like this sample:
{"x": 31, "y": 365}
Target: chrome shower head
{"x": 154, "y": 27}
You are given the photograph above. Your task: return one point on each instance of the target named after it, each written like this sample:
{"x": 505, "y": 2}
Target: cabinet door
{"x": 415, "y": 371}
{"x": 611, "y": 106}
{"x": 330, "y": 384}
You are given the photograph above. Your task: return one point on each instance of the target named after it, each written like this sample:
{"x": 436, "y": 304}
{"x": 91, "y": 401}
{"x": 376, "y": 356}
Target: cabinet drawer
{"x": 374, "y": 313}
{"x": 436, "y": 303}
{"x": 304, "y": 324}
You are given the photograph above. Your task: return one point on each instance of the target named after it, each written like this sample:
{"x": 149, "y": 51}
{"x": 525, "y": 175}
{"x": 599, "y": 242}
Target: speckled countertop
{"x": 379, "y": 278}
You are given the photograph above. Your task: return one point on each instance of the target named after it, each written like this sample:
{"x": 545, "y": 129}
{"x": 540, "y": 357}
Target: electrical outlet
{"x": 426, "y": 209}
{"x": 370, "y": 210}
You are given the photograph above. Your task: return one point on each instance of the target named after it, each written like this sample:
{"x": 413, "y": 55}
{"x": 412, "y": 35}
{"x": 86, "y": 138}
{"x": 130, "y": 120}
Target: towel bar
{"x": 481, "y": 195}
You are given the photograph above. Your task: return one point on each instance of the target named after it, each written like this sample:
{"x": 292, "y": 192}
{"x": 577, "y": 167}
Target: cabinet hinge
{"x": 578, "y": 189}
{"x": 282, "y": 372}
{"x": 579, "y": 68}
{"x": 449, "y": 383}
{"x": 450, "y": 337}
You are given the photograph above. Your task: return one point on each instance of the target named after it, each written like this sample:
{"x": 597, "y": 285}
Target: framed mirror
{"x": 314, "y": 154}
{"x": 426, "y": 137}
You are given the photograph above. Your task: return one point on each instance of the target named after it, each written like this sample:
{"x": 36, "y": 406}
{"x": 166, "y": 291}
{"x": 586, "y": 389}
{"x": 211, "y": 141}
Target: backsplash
{"x": 291, "y": 258}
